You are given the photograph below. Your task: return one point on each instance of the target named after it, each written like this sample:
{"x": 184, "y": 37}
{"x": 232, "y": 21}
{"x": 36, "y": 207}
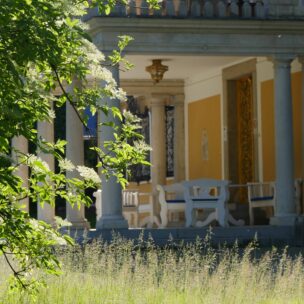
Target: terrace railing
{"x": 200, "y": 8}
{"x": 210, "y": 9}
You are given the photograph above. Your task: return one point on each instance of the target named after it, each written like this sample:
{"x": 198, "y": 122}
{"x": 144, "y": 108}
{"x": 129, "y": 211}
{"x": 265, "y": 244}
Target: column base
{"x": 111, "y": 222}
{"x": 286, "y": 220}
{"x": 82, "y": 224}
{"x": 50, "y": 221}
{"x": 46, "y": 214}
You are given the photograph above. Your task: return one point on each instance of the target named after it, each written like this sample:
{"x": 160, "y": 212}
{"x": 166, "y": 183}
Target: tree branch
{"x": 77, "y": 113}
{"x": 16, "y": 273}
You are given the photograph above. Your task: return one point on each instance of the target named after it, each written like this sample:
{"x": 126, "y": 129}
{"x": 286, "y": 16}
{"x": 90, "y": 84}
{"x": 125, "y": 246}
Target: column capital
{"x": 282, "y": 60}
{"x": 142, "y": 98}
{"x": 157, "y": 100}
{"x": 301, "y": 59}
{"x": 179, "y": 100}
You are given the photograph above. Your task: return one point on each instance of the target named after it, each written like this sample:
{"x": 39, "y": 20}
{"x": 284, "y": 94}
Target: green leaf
{"x": 44, "y": 48}
{"x": 116, "y": 113}
{"x": 71, "y": 22}
{"x": 107, "y": 10}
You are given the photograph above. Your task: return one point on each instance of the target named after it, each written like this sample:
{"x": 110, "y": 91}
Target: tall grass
{"x": 129, "y": 272}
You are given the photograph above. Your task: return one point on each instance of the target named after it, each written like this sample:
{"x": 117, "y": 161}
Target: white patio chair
{"x": 206, "y": 194}
{"x": 133, "y": 209}
{"x": 172, "y": 202}
{"x": 260, "y": 195}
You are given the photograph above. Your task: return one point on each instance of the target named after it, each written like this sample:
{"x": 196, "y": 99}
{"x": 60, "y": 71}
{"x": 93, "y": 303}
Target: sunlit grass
{"x": 125, "y": 272}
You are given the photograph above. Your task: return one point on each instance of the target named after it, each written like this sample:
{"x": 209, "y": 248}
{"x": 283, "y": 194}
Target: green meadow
{"x": 140, "y": 272}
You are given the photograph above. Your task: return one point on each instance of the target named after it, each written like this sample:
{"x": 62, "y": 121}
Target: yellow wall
{"x": 145, "y": 186}
{"x": 267, "y": 107}
{"x": 204, "y": 116}
{"x": 142, "y": 187}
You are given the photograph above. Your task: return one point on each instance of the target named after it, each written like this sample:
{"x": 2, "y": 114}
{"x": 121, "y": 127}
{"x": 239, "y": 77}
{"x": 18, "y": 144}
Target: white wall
{"x": 204, "y": 85}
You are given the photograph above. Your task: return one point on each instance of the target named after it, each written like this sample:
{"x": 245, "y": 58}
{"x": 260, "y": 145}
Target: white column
{"x": 179, "y": 138}
{"x": 46, "y": 131}
{"x": 75, "y": 153}
{"x": 158, "y": 145}
{"x": 285, "y": 204}
{"x": 111, "y": 200}
{"x": 20, "y": 143}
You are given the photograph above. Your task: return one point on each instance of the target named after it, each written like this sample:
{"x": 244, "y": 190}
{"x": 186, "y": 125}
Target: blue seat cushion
{"x": 262, "y": 198}
{"x": 175, "y": 201}
{"x": 205, "y": 199}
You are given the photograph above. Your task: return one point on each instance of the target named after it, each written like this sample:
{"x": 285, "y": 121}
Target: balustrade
{"x": 233, "y": 9}
{"x": 209, "y": 9}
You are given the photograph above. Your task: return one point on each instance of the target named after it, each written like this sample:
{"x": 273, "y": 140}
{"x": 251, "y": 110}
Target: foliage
{"x": 44, "y": 47}
{"x": 140, "y": 272}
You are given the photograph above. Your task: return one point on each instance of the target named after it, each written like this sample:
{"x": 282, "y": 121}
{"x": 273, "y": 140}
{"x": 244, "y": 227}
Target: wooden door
{"x": 240, "y": 136}
{"x": 245, "y": 136}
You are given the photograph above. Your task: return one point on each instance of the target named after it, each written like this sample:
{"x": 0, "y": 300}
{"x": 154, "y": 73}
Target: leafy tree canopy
{"x": 44, "y": 46}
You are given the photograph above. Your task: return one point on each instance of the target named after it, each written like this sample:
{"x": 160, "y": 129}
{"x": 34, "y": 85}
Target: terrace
{"x": 204, "y": 40}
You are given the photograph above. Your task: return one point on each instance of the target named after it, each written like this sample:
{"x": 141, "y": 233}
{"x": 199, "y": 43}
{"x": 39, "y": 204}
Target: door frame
{"x": 229, "y": 76}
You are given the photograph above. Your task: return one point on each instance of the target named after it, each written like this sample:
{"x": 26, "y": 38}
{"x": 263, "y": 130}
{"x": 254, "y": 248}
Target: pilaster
{"x": 179, "y": 138}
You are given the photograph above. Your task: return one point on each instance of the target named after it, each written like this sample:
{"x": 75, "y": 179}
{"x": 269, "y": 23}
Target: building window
{"x": 170, "y": 140}
{"x": 91, "y": 129}
{"x": 140, "y": 173}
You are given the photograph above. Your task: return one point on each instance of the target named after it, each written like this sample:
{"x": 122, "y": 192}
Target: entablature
{"x": 205, "y": 37}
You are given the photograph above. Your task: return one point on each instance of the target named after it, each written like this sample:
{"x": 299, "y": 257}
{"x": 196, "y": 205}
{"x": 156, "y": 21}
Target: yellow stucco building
{"x": 229, "y": 122}
{"x": 230, "y": 104}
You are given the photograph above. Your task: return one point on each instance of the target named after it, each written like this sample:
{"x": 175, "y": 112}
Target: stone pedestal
{"x": 109, "y": 206}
